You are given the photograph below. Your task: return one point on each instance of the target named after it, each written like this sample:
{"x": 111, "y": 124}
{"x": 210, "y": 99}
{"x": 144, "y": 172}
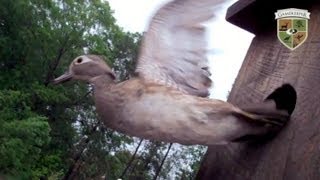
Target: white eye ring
{"x": 81, "y": 60}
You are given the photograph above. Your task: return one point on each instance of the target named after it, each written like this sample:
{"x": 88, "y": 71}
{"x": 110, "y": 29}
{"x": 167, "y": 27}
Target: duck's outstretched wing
{"x": 173, "y": 51}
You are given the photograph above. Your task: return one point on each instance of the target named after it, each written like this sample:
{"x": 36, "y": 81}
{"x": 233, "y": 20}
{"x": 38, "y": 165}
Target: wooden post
{"x": 295, "y": 152}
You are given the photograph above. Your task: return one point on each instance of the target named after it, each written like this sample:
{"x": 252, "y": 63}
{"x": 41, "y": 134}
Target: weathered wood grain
{"x": 295, "y": 153}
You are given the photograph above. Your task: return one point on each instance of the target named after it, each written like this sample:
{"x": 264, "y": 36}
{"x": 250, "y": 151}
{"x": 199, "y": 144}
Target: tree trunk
{"x": 294, "y": 153}
{"x": 74, "y": 167}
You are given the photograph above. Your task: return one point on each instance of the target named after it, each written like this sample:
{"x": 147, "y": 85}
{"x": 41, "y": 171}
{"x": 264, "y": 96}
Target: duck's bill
{"x": 63, "y": 78}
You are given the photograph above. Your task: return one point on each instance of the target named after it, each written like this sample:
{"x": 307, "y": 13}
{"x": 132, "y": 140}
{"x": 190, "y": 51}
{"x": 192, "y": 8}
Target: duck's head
{"x": 86, "y": 68}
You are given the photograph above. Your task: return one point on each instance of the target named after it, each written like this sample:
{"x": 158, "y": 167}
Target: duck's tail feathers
{"x": 275, "y": 109}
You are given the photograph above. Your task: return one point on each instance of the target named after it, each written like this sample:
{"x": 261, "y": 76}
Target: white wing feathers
{"x": 173, "y": 51}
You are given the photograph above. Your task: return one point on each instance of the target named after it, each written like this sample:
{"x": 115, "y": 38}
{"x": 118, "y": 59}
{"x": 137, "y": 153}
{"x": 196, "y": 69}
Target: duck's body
{"x": 166, "y": 100}
{"x": 149, "y": 110}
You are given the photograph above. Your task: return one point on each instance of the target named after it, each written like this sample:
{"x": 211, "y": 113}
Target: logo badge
{"x": 292, "y": 27}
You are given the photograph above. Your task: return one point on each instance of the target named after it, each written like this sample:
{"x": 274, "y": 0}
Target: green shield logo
{"x": 292, "y": 28}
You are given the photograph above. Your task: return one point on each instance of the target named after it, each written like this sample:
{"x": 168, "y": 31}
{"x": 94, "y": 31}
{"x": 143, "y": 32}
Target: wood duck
{"x": 167, "y": 98}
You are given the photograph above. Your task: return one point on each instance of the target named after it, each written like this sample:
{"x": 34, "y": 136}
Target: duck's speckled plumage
{"x": 154, "y": 111}
{"x": 165, "y": 101}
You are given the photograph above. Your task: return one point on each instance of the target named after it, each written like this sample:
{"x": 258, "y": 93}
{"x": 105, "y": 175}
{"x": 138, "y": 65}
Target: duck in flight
{"x": 167, "y": 98}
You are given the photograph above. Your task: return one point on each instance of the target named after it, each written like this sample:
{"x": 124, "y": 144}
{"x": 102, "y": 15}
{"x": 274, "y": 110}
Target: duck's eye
{"x": 79, "y": 60}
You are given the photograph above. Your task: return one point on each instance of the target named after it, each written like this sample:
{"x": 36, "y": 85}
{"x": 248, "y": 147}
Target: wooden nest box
{"x": 295, "y": 152}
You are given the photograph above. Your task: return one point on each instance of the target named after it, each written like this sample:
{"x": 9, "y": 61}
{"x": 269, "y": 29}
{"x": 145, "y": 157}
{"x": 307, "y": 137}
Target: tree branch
{"x": 131, "y": 160}
{"x": 53, "y": 66}
{"x": 162, "y": 162}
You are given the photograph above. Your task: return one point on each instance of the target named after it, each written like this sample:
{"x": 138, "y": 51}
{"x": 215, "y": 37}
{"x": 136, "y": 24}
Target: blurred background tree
{"x": 53, "y": 132}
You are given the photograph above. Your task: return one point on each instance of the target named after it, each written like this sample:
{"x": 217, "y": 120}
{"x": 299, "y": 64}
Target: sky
{"x": 228, "y": 43}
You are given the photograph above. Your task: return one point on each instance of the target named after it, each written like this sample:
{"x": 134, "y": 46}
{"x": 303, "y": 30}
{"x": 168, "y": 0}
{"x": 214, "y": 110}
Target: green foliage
{"x": 21, "y": 144}
{"x": 191, "y": 157}
{"x": 40, "y": 123}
